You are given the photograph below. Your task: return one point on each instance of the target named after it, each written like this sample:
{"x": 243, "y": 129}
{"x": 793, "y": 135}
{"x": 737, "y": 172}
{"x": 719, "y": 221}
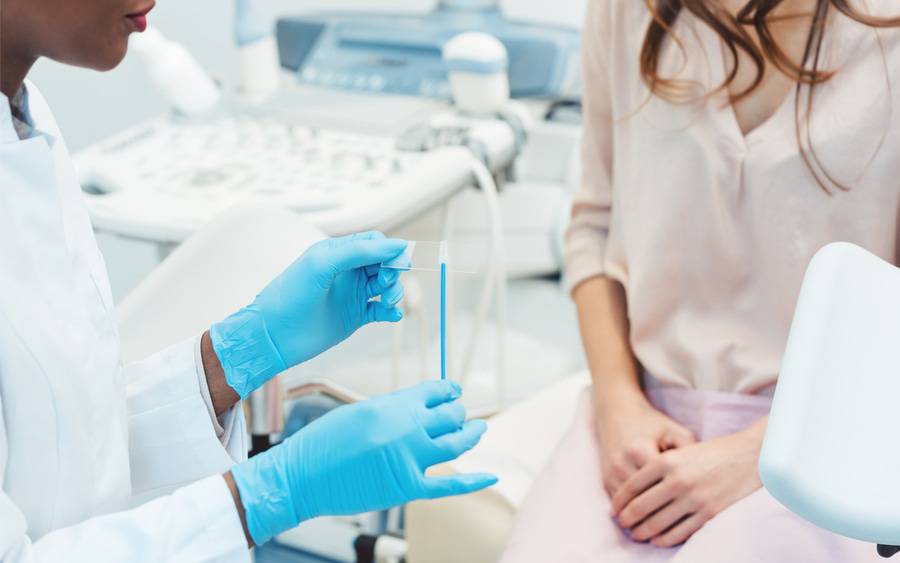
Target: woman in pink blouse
{"x": 726, "y": 141}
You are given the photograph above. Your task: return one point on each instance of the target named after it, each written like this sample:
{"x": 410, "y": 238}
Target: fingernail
{"x": 456, "y": 389}
{"x": 399, "y": 314}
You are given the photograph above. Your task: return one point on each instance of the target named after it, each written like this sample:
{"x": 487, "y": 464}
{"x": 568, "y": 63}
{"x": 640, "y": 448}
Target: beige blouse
{"x": 710, "y": 231}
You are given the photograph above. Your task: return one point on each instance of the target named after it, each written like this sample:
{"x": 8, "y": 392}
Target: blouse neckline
{"x": 714, "y": 46}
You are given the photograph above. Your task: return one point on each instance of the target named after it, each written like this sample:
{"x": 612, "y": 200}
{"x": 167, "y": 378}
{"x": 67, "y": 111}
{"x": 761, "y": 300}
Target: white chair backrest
{"x": 831, "y": 450}
{"x": 215, "y": 272}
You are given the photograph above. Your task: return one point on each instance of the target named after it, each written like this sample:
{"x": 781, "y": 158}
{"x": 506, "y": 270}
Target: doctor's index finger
{"x": 388, "y": 276}
{"x": 389, "y": 287}
{"x": 363, "y": 252}
{"x": 392, "y": 294}
{"x": 454, "y": 444}
{"x": 444, "y": 418}
{"x": 366, "y": 235}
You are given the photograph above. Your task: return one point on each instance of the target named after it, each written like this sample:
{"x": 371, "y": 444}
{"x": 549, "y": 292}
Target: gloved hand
{"x": 320, "y": 300}
{"x": 361, "y": 457}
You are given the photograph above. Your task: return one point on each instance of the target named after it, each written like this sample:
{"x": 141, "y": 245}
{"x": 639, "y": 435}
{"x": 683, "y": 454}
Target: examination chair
{"x": 830, "y": 451}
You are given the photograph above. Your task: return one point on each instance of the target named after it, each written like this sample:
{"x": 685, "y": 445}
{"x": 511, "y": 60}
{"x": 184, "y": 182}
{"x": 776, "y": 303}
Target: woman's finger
{"x": 677, "y": 438}
{"x": 680, "y": 532}
{"x": 617, "y": 473}
{"x": 657, "y": 523}
{"x": 640, "y": 481}
{"x": 645, "y": 504}
{"x": 641, "y": 453}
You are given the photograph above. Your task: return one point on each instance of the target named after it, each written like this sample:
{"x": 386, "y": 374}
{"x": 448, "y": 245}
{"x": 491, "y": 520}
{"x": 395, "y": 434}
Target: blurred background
{"x": 91, "y": 106}
{"x": 243, "y": 140}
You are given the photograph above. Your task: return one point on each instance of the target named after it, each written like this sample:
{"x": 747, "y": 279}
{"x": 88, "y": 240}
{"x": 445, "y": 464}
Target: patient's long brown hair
{"x": 731, "y": 28}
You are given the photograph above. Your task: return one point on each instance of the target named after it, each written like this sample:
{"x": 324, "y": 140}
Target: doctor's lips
{"x": 139, "y": 19}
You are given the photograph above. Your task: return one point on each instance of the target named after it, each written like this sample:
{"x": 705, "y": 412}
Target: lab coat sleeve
{"x": 173, "y": 438}
{"x": 196, "y": 523}
{"x": 592, "y": 206}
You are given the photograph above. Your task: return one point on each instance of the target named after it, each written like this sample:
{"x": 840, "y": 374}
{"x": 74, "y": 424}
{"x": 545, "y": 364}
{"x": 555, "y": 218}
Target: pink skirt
{"x": 565, "y": 518}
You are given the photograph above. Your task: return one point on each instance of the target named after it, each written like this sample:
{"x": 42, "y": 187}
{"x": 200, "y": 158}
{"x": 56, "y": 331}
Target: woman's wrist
{"x": 239, "y": 506}
{"x": 618, "y": 391}
{"x": 753, "y": 435}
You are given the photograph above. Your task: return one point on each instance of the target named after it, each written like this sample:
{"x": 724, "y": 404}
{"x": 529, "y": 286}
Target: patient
{"x": 710, "y": 180}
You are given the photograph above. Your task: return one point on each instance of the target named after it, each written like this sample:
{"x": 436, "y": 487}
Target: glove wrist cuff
{"x": 245, "y": 349}
{"x": 266, "y": 496}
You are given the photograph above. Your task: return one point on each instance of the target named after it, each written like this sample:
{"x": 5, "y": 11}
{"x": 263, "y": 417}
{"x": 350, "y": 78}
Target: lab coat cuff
{"x": 171, "y": 439}
{"x": 219, "y": 526}
{"x": 223, "y": 425}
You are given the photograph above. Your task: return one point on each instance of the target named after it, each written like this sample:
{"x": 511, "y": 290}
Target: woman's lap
{"x": 566, "y": 519}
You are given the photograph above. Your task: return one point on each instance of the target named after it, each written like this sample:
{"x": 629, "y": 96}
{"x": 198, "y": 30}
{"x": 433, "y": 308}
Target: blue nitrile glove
{"x": 320, "y": 300}
{"x": 361, "y": 457}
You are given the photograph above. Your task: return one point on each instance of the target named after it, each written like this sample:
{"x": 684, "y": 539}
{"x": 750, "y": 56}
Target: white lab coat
{"x": 82, "y": 437}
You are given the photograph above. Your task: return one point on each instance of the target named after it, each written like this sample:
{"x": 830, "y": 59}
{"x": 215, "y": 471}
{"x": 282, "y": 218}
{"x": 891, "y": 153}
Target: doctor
{"x": 84, "y": 440}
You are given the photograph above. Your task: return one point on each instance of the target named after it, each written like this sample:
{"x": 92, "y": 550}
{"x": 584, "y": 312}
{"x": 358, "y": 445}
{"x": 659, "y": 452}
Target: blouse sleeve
{"x": 592, "y": 207}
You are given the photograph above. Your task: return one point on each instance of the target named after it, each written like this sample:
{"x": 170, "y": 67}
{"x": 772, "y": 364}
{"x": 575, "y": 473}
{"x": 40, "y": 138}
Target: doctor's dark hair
{"x": 758, "y": 15}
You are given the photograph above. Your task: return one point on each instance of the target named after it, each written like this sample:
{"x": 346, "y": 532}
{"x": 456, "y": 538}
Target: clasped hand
{"x": 677, "y": 491}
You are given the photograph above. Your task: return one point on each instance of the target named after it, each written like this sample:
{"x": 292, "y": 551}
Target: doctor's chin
{"x": 449, "y": 281}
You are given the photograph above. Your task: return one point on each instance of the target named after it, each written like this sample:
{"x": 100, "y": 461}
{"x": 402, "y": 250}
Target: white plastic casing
{"x": 182, "y": 81}
{"x": 477, "y": 65}
{"x": 260, "y": 70}
{"x": 830, "y": 452}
